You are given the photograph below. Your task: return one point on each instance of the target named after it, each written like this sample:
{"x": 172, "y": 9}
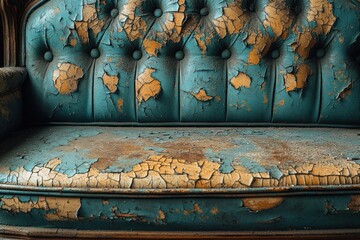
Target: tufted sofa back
{"x": 293, "y": 61}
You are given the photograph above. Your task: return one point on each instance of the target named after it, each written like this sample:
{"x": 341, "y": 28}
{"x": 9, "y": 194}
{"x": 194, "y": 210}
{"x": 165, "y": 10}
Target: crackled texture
{"x": 320, "y": 19}
{"x": 58, "y": 209}
{"x": 233, "y": 19}
{"x": 241, "y": 80}
{"x": 157, "y": 61}
{"x": 111, "y": 82}
{"x": 90, "y": 23}
{"x": 194, "y": 61}
{"x": 278, "y": 18}
{"x": 66, "y": 77}
{"x": 321, "y": 11}
{"x": 171, "y": 158}
{"x": 147, "y": 86}
{"x": 134, "y": 26}
{"x": 297, "y": 80}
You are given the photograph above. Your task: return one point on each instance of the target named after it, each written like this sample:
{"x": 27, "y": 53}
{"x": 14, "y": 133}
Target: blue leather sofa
{"x": 148, "y": 118}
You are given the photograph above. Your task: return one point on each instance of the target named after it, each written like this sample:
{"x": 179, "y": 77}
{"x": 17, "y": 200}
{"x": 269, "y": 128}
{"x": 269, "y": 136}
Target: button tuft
{"x": 48, "y": 56}
{"x": 226, "y": 54}
{"x": 158, "y": 12}
{"x": 95, "y": 53}
{"x": 137, "y": 55}
{"x": 275, "y": 54}
{"x": 320, "y": 53}
{"x": 179, "y": 55}
{"x": 204, "y": 11}
{"x": 114, "y": 12}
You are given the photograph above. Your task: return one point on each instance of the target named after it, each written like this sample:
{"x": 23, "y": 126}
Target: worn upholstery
{"x": 179, "y": 179}
{"x": 178, "y": 158}
{"x": 176, "y": 63}
{"x": 194, "y": 61}
{"x": 11, "y": 81}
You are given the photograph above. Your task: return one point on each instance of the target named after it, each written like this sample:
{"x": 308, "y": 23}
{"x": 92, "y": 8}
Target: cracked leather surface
{"x": 174, "y": 158}
{"x": 222, "y": 61}
{"x": 241, "y": 61}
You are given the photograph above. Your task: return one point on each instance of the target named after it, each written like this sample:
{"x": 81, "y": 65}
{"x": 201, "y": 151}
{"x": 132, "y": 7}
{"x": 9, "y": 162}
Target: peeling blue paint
{"x": 47, "y": 142}
{"x": 205, "y": 214}
{"x": 253, "y": 166}
{"x": 239, "y": 147}
{"x": 275, "y": 172}
{"x": 126, "y": 165}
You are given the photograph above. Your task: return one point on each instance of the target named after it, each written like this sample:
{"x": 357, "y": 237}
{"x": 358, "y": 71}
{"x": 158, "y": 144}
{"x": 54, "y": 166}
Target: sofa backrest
{"x": 287, "y": 61}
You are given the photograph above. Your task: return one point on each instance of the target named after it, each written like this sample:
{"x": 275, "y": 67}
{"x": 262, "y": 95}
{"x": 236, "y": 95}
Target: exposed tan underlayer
{"x": 202, "y": 96}
{"x": 241, "y": 80}
{"x": 66, "y": 77}
{"x": 147, "y": 86}
{"x": 297, "y": 80}
{"x": 61, "y": 208}
{"x": 158, "y": 172}
{"x": 189, "y": 161}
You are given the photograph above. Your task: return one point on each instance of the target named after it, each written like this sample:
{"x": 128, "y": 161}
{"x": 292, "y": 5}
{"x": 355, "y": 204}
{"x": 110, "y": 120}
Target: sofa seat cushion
{"x": 177, "y": 158}
{"x": 116, "y": 181}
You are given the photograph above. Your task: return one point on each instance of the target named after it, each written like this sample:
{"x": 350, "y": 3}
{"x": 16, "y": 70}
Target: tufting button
{"x": 114, "y": 12}
{"x": 179, "y": 55}
{"x": 275, "y": 54}
{"x": 137, "y": 55}
{"x": 204, "y": 11}
{"x": 158, "y": 12}
{"x": 320, "y": 53}
{"x": 48, "y": 56}
{"x": 226, "y": 54}
{"x": 95, "y": 53}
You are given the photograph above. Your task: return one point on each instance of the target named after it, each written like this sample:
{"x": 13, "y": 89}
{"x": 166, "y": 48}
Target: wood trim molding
{"x": 9, "y": 14}
{"x": 14, "y": 14}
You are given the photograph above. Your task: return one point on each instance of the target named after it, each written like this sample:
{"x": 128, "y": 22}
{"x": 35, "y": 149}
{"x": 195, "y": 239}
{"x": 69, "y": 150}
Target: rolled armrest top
{"x": 11, "y": 78}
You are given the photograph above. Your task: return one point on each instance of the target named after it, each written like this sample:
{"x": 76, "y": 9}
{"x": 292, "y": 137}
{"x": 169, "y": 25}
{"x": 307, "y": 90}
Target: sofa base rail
{"x": 188, "y": 214}
{"x": 32, "y": 233}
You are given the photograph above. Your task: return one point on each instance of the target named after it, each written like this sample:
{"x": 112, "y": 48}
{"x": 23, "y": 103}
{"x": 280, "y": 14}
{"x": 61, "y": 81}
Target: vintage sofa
{"x": 180, "y": 118}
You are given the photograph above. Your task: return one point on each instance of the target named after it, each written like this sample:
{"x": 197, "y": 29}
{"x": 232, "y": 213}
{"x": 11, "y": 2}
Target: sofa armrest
{"x": 11, "y": 80}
